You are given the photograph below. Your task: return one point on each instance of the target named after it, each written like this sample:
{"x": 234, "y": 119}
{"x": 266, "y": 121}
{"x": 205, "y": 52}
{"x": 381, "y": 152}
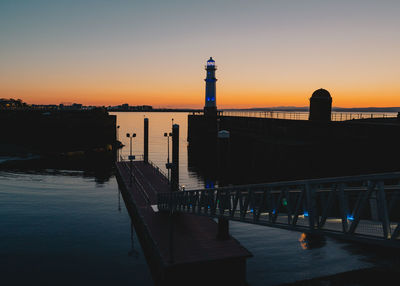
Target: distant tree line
{"x": 12, "y": 103}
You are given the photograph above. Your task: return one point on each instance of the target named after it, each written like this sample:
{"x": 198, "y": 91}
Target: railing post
{"x": 310, "y": 199}
{"x": 343, "y": 207}
{"x": 383, "y": 210}
{"x": 373, "y": 204}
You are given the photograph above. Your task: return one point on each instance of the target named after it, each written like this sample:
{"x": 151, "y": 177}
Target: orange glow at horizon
{"x": 194, "y": 98}
{"x": 164, "y": 88}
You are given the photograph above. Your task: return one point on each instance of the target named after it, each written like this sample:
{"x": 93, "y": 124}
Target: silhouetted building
{"x": 210, "y": 107}
{"x": 76, "y": 106}
{"x": 320, "y": 105}
{"x": 144, "y": 107}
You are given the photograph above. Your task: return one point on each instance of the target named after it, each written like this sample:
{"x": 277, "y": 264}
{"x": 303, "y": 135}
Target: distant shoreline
{"x": 305, "y": 109}
{"x": 255, "y": 109}
{"x": 269, "y": 109}
{"x": 157, "y": 110}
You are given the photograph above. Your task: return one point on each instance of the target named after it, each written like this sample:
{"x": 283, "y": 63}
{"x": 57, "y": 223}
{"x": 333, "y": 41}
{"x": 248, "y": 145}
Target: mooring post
{"x": 223, "y": 228}
{"x": 146, "y": 141}
{"x": 175, "y": 158}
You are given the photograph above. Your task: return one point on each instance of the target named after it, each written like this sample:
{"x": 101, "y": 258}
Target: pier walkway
{"x": 186, "y": 251}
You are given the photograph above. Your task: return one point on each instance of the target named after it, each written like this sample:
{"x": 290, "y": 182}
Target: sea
{"x": 71, "y": 227}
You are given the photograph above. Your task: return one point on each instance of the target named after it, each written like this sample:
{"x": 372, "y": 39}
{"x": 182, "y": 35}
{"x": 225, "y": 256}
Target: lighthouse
{"x": 210, "y": 107}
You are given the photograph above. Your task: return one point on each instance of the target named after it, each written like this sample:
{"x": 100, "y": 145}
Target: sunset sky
{"x": 268, "y": 53}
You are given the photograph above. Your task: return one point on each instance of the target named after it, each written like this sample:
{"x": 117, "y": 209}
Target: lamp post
{"x": 168, "y": 165}
{"x": 173, "y": 186}
{"x": 131, "y": 157}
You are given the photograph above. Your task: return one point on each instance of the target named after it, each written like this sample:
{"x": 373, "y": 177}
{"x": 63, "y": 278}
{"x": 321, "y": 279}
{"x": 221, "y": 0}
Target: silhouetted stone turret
{"x": 320, "y": 105}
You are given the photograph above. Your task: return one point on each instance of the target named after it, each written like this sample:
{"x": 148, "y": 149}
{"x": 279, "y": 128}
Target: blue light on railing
{"x": 209, "y": 185}
{"x": 305, "y": 213}
{"x": 350, "y": 217}
{"x": 273, "y": 211}
{"x": 251, "y": 210}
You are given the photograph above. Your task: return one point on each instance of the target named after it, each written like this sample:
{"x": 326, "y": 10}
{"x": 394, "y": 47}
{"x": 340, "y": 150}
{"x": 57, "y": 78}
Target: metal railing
{"x": 293, "y": 115}
{"x": 137, "y": 182}
{"x": 163, "y": 174}
{"x": 155, "y": 167}
{"x": 125, "y": 158}
{"x": 360, "y": 207}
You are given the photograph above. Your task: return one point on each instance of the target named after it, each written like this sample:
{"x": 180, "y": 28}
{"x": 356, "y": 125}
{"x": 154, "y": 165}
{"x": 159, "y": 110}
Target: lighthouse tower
{"x": 210, "y": 107}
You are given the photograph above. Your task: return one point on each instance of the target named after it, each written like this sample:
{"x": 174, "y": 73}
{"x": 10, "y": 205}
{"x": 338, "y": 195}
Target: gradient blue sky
{"x": 268, "y": 53}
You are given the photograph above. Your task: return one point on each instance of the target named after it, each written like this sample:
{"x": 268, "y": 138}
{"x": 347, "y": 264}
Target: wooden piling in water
{"x": 146, "y": 140}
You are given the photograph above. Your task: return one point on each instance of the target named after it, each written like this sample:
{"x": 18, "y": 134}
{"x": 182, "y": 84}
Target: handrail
{"x": 330, "y": 205}
{"x": 304, "y": 115}
{"x": 370, "y": 177}
{"x": 143, "y": 192}
{"x": 126, "y": 159}
{"x": 158, "y": 169}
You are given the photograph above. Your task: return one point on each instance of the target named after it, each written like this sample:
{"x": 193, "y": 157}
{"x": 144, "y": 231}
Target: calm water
{"x": 64, "y": 229}
{"x": 67, "y": 228}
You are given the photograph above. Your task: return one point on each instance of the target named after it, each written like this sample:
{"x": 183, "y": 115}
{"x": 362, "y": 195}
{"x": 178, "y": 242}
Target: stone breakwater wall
{"x": 264, "y": 149}
{"x": 54, "y": 132}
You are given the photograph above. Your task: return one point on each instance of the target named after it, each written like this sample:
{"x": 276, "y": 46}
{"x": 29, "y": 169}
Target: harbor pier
{"x": 180, "y": 249}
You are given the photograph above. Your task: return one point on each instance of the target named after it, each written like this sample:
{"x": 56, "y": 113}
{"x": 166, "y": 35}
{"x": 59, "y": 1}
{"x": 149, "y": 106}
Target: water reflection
{"x": 133, "y": 252}
{"x": 100, "y": 167}
{"x": 119, "y": 200}
{"x": 311, "y": 241}
{"x": 61, "y": 224}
